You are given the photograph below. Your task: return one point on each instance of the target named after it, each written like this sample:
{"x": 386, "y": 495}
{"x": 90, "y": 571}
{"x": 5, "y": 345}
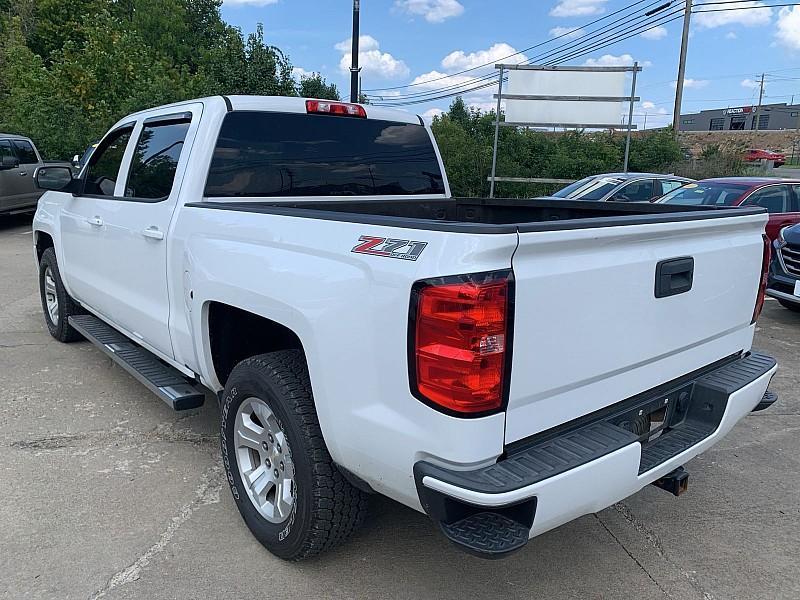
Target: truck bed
{"x": 482, "y": 215}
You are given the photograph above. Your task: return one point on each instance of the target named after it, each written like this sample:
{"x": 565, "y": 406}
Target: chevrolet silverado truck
{"x": 504, "y": 366}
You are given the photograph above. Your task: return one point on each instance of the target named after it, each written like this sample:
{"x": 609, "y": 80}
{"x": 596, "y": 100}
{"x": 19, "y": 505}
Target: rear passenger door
{"x": 136, "y": 223}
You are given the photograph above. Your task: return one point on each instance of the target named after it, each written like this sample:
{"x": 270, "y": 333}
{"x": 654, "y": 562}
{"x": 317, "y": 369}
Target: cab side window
{"x": 103, "y": 170}
{"x": 155, "y": 160}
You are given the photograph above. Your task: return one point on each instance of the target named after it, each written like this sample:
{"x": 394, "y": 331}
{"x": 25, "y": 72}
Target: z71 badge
{"x": 389, "y": 247}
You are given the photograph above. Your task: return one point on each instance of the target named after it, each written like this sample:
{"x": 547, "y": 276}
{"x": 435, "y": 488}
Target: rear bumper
{"x": 590, "y": 464}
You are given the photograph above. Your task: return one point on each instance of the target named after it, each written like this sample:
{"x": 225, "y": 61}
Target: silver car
{"x": 622, "y": 187}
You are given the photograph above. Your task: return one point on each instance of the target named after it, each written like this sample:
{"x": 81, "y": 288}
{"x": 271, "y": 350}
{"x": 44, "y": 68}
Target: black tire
{"x": 61, "y": 329}
{"x": 327, "y": 508}
{"x": 793, "y": 306}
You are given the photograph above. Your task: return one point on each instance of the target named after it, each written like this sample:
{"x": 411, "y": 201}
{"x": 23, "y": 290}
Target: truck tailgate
{"x": 589, "y": 330}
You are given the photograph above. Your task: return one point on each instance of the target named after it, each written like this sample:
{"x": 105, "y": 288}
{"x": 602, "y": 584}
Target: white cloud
{"x": 459, "y": 60}
{"x": 434, "y": 80}
{"x": 656, "y": 33}
{"x": 434, "y": 11}
{"x": 788, "y": 33}
{"x": 568, "y": 33}
{"x": 731, "y": 35}
{"x": 299, "y": 72}
{"x": 371, "y": 60}
{"x": 609, "y": 60}
{"x": 249, "y": 2}
{"x": 577, "y": 8}
{"x": 481, "y": 99}
{"x": 430, "y": 113}
{"x": 749, "y": 14}
{"x": 689, "y": 83}
{"x": 751, "y": 84}
{"x": 648, "y": 105}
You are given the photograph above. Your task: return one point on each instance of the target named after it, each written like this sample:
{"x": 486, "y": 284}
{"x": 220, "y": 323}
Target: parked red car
{"x": 756, "y": 154}
{"x": 781, "y": 197}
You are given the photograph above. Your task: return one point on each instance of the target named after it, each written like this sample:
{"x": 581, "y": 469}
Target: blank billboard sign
{"x": 564, "y": 83}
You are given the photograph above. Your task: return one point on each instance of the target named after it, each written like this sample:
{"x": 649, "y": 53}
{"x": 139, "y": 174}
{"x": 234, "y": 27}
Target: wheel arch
{"x": 42, "y": 241}
{"x": 234, "y": 334}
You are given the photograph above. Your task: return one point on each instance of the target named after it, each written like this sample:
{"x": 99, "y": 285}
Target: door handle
{"x": 153, "y": 232}
{"x": 95, "y": 221}
{"x": 23, "y": 173}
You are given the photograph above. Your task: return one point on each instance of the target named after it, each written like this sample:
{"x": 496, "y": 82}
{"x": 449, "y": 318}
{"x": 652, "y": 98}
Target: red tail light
{"x": 461, "y": 337}
{"x": 344, "y": 109}
{"x": 762, "y": 284}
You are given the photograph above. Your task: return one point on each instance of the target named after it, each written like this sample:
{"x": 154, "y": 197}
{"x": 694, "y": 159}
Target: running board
{"x": 166, "y": 382}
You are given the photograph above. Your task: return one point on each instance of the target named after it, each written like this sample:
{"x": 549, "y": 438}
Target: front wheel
{"x": 290, "y": 494}
{"x": 57, "y": 304}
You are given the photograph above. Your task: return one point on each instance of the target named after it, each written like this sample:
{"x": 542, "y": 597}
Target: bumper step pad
{"x": 169, "y": 384}
{"x": 487, "y": 534}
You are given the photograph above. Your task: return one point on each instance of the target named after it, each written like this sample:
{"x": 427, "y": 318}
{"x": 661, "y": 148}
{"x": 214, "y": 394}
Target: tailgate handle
{"x": 674, "y": 276}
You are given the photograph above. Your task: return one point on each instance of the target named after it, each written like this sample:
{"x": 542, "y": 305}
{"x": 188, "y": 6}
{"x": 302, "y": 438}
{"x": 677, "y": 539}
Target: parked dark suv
{"x": 784, "y": 272}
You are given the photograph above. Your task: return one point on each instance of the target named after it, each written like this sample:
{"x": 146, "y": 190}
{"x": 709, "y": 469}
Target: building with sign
{"x": 773, "y": 117}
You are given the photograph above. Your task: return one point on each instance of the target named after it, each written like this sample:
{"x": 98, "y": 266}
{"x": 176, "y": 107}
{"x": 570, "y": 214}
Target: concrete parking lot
{"x": 106, "y": 493}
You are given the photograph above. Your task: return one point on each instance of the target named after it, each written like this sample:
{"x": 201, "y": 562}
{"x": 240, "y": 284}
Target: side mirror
{"x": 56, "y": 179}
{"x": 9, "y": 162}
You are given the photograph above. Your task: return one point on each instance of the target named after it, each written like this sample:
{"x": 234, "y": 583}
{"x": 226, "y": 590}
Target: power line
{"x": 565, "y": 52}
{"x": 394, "y": 100}
{"x": 488, "y": 64}
{"x": 762, "y": 7}
{"x": 574, "y": 47}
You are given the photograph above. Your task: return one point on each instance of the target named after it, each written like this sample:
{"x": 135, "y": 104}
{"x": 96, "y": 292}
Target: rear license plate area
{"x": 648, "y": 420}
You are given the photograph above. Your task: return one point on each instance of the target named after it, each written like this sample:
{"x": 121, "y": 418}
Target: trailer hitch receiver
{"x": 675, "y": 482}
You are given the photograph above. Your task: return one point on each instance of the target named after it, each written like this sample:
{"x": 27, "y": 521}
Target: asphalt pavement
{"x": 107, "y": 493}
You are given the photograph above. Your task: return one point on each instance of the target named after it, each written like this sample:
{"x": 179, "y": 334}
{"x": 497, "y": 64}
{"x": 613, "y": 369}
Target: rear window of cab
{"x": 271, "y": 154}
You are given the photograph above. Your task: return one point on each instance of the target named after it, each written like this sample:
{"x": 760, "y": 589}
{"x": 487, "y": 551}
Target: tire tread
{"x": 338, "y": 508}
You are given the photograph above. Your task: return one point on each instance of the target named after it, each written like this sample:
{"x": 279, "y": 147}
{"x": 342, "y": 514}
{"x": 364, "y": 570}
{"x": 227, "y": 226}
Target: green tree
{"x": 466, "y": 135}
{"x": 69, "y": 71}
{"x": 315, "y": 86}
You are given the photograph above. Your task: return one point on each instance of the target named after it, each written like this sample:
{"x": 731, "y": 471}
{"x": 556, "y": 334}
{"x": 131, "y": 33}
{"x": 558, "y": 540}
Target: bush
{"x": 465, "y": 137}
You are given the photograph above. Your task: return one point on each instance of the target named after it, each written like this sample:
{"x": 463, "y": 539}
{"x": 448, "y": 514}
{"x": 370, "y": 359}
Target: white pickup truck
{"x": 504, "y": 366}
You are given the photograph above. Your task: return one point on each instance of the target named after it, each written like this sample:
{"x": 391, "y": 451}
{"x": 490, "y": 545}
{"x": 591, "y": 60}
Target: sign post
{"x": 565, "y": 105}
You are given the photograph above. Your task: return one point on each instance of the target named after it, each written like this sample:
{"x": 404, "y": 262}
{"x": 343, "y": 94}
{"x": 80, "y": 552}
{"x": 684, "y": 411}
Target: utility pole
{"x": 758, "y": 109}
{"x": 645, "y": 122}
{"x": 676, "y": 117}
{"x": 354, "y": 51}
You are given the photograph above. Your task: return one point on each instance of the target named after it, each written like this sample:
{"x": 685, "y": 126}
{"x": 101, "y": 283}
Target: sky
{"x": 428, "y": 42}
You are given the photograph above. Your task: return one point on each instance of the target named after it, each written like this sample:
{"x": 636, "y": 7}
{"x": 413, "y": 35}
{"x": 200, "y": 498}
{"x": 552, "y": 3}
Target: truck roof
{"x": 298, "y": 105}
{"x": 290, "y": 104}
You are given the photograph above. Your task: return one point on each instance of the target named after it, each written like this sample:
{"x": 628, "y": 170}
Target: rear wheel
{"x": 291, "y": 495}
{"x": 57, "y": 304}
{"x": 793, "y": 306}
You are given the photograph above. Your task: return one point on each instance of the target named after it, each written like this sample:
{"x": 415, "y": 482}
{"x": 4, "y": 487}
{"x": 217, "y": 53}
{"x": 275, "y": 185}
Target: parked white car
{"x": 503, "y": 366}
{"x": 622, "y": 187}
